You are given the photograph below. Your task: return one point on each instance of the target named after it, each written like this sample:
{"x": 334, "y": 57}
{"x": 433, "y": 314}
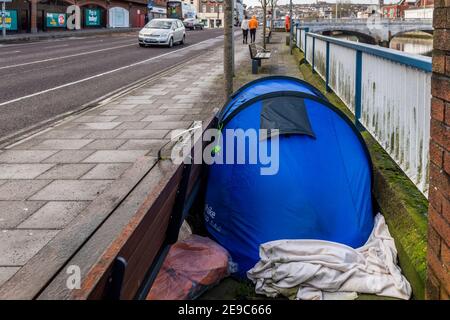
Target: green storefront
{"x": 92, "y": 17}
{"x": 55, "y": 20}
{"x": 10, "y": 20}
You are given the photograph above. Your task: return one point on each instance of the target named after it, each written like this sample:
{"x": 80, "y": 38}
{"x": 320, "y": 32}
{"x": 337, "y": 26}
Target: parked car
{"x": 162, "y": 32}
{"x": 192, "y": 24}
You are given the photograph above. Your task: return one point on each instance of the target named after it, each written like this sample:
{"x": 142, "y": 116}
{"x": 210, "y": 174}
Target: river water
{"x": 420, "y": 45}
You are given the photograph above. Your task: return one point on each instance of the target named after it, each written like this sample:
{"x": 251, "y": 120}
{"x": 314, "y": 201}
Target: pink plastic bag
{"x": 191, "y": 267}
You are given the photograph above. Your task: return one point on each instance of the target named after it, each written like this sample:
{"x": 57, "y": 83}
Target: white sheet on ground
{"x": 316, "y": 269}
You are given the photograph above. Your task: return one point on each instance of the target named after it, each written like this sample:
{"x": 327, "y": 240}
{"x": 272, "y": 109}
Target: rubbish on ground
{"x": 316, "y": 270}
{"x": 315, "y": 185}
{"x": 191, "y": 267}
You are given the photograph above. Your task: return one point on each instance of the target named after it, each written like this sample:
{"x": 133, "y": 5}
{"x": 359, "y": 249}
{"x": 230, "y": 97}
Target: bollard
{"x": 287, "y": 40}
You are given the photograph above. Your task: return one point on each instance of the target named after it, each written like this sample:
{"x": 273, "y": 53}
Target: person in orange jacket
{"x": 253, "y": 25}
{"x": 288, "y": 23}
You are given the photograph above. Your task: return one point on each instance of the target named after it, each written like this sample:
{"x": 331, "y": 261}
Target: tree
{"x": 273, "y": 4}
{"x": 228, "y": 48}
{"x": 264, "y": 7}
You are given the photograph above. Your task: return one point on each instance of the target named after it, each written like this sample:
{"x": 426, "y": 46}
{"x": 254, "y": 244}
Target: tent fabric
{"x": 266, "y": 85}
{"x": 322, "y": 270}
{"x": 321, "y": 188}
{"x": 285, "y": 114}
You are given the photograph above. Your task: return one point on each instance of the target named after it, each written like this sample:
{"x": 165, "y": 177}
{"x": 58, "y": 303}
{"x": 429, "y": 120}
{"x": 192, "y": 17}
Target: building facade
{"x": 409, "y": 9}
{"x": 60, "y": 15}
{"x": 211, "y": 13}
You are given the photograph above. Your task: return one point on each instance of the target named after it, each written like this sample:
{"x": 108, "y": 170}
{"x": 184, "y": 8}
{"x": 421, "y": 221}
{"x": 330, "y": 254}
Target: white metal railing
{"x": 388, "y": 91}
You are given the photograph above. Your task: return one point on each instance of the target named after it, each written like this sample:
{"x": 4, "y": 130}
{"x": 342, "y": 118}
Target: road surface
{"x": 41, "y": 81}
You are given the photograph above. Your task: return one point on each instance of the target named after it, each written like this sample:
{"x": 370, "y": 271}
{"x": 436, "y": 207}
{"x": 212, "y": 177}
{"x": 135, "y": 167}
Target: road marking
{"x": 65, "y": 57}
{"x": 58, "y": 46}
{"x": 9, "y": 52}
{"x": 104, "y": 73}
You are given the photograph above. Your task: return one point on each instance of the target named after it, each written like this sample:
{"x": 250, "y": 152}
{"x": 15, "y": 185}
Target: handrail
{"x": 419, "y": 62}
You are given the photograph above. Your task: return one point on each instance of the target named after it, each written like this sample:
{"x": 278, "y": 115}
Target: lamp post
{"x": 291, "y": 38}
{"x": 4, "y": 18}
{"x": 228, "y": 48}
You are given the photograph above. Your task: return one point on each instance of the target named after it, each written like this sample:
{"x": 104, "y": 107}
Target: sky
{"x": 253, "y": 2}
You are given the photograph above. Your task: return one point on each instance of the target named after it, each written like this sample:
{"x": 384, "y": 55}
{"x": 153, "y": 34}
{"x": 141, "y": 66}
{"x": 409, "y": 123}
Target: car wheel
{"x": 170, "y": 45}
{"x": 141, "y": 45}
{"x": 183, "y": 40}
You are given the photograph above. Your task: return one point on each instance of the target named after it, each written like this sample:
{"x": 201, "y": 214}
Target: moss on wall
{"x": 402, "y": 204}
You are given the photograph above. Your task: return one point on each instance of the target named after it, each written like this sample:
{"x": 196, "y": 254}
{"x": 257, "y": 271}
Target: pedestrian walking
{"x": 253, "y": 25}
{"x": 244, "y": 27}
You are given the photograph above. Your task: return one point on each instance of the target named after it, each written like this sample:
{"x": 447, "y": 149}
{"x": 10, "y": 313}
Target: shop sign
{"x": 10, "y": 20}
{"x": 56, "y": 20}
{"x": 92, "y": 17}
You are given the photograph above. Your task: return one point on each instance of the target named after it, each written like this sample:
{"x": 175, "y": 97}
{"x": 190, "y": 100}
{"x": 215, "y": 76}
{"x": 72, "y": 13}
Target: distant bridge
{"x": 372, "y": 30}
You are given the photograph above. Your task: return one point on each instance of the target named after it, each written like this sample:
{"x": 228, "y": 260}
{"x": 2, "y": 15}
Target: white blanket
{"x": 315, "y": 269}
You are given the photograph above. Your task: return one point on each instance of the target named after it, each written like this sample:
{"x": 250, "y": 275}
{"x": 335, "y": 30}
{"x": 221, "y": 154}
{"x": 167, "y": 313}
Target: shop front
{"x": 93, "y": 16}
{"x": 118, "y": 17}
{"x": 17, "y": 17}
{"x": 157, "y": 12}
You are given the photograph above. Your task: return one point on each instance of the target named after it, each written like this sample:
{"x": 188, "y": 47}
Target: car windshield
{"x": 159, "y": 24}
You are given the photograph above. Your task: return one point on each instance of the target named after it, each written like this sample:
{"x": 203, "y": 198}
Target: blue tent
{"x": 322, "y": 188}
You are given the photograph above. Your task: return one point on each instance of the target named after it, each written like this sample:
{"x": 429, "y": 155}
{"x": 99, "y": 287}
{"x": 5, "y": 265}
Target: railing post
{"x": 306, "y": 42}
{"x": 327, "y": 68}
{"x": 313, "y": 51}
{"x": 358, "y": 88}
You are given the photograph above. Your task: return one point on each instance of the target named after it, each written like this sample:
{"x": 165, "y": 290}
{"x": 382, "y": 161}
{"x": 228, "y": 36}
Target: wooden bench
{"x": 257, "y": 54}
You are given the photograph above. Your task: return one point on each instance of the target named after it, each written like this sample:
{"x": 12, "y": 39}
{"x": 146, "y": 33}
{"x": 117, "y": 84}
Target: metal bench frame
{"x": 256, "y": 56}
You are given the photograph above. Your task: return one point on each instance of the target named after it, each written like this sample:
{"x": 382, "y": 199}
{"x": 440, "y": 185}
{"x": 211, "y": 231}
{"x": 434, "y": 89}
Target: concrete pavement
{"x": 80, "y": 169}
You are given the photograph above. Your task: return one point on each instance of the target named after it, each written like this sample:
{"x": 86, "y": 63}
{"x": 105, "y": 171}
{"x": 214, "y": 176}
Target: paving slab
{"x": 105, "y": 144}
{"x": 77, "y": 190}
{"x": 133, "y": 125}
{"x": 69, "y": 156}
{"x": 119, "y": 112}
{"x": 163, "y": 118}
{"x": 143, "y": 144}
{"x": 97, "y": 126}
{"x": 104, "y": 134}
{"x": 66, "y": 171}
{"x": 6, "y": 273}
{"x": 108, "y": 156}
{"x": 23, "y": 171}
{"x": 95, "y": 119}
{"x": 143, "y": 134}
{"x": 21, "y": 189}
{"x": 25, "y": 156}
{"x": 106, "y": 171}
{"x": 54, "y": 215}
{"x": 169, "y": 125}
{"x": 12, "y": 213}
{"x": 64, "y": 134}
{"x": 62, "y": 144}
{"x": 18, "y": 246}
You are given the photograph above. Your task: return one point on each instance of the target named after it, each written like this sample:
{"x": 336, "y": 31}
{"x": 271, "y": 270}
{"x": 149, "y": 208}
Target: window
{"x": 204, "y": 8}
{"x": 211, "y": 9}
{"x": 220, "y": 8}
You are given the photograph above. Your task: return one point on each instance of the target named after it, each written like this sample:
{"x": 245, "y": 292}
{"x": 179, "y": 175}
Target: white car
{"x": 162, "y": 32}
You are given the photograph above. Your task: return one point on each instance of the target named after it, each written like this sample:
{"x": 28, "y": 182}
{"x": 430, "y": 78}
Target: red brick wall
{"x": 438, "y": 283}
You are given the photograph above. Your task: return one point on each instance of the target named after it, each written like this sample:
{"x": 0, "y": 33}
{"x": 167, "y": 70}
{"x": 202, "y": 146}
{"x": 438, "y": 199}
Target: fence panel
{"x": 388, "y": 91}
{"x": 320, "y": 57}
{"x": 396, "y": 111}
{"x": 342, "y": 74}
